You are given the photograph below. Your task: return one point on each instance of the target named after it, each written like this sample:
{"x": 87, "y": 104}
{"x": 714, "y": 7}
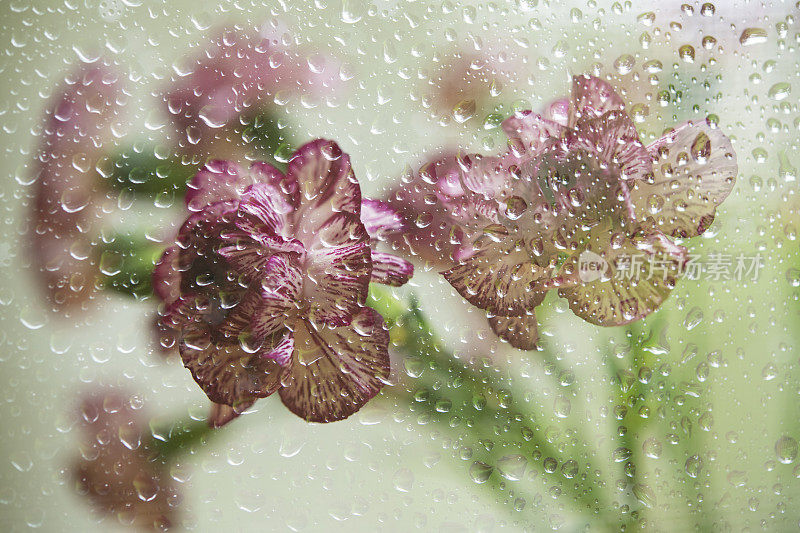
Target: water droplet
{"x": 752, "y": 36}
{"x": 693, "y": 466}
{"x": 479, "y": 472}
{"x": 786, "y": 449}
{"x": 403, "y": 480}
{"x": 686, "y": 53}
{"x": 779, "y": 91}
{"x": 464, "y": 110}
{"x": 512, "y": 467}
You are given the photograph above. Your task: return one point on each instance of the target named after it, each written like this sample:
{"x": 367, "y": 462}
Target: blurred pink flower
{"x": 465, "y": 80}
{"x": 267, "y": 283}
{"x": 69, "y": 188}
{"x": 236, "y": 76}
{"x": 576, "y": 180}
{"x": 118, "y": 470}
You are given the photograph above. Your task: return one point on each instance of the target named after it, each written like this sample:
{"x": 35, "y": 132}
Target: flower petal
{"x": 390, "y": 269}
{"x": 380, "y": 219}
{"x": 220, "y": 414}
{"x": 267, "y": 208}
{"x": 338, "y": 269}
{"x": 425, "y": 201}
{"x": 614, "y": 139}
{"x": 499, "y": 278}
{"x": 326, "y": 183}
{"x": 532, "y": 130}
{"x": 280, "y": 290}
{"x": 217, "y": 180}
{"x": 166, "y": 277}
{"x": 695, "y": 169}
{"x": 336, "y": 371}
{"x": 592, "y": 96}
{"x": 521, "y": 332}
{"x": 226, "y": 372}
{"x": 641, "y": 271}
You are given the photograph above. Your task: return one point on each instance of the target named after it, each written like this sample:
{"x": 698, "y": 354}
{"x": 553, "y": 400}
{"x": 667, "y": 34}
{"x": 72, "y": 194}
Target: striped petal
{"x": 380, "y": 219}
{"x": 592, "y": 96}
{"x": 500, "y": 278}
{"x": 222, "y": 180}
{"x": 521, "y": 332}
{"x": 632, "y": 276}
{"x": 694, "y": 169}
{"x": 390, "y": 269}
{"x": 532, "y": 130}
{"x": 326, "y": 184}
{"x": 613, "y": 138}
{"x": 280, "y": 291}
{"x": 227, "y": 372}
{"x": 336, "y": 371}
{"x": 338, "y": 270}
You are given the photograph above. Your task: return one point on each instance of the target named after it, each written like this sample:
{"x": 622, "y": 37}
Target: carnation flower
{"x": 578, "y": 186}
{"x": 267, "y": 283}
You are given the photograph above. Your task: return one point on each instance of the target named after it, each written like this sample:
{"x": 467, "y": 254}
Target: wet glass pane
{"x": 353, "y": 265}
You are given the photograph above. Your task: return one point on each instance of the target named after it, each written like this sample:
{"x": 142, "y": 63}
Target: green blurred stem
{"x": 446, "y": 386}
{"x": 142, "y": 172}
{"x": 180, "y": 436}
{"x": 127, "y": 261}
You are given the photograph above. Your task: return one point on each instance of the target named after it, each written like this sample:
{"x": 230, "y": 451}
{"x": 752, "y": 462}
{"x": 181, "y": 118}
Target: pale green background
{"x": 381, "y": 469}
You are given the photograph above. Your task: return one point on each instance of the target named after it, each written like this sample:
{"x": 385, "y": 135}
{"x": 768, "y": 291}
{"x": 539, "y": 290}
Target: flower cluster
{"x": 575, "y": 179}
{"x": 267, "y": 283}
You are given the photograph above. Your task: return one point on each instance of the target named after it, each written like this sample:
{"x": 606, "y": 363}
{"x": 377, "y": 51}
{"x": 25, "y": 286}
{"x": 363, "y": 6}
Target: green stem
{"x": 127, "y": 262}
{"x": 180, "y": 436}
{"x": 485, "y": 409}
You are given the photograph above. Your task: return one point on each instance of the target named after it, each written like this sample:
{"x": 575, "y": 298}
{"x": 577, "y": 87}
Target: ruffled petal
{"x": 338, "y": 270}
{"x": 228, "y": 373}
{"x": 500, "y": 278}
{"x": 615, "y": 141}
{"x": 532, "y": 130}
{"x": 336, "y": 371}
{"x": 166, "y": 276}
{"x": 521, "y": 332}
{"x": 380, "y": 219}
{"x": 264, "y": 209}
{"x": 326, "y": 184}
{"x": 390, "y": 269}
{"x": 222, "y": 180}
{"x": 592, "y": 96}
{"x": 425, "y": 202}
{"x": 280, "y": 291}
{"x": 695, "y": 169}
{"x": 198, "y": 263}
{"x": 217, "y": 180}
{"x": 249, "y": 254}
{"x": 623, "y": 278}
{"x": 220, "y": 414}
